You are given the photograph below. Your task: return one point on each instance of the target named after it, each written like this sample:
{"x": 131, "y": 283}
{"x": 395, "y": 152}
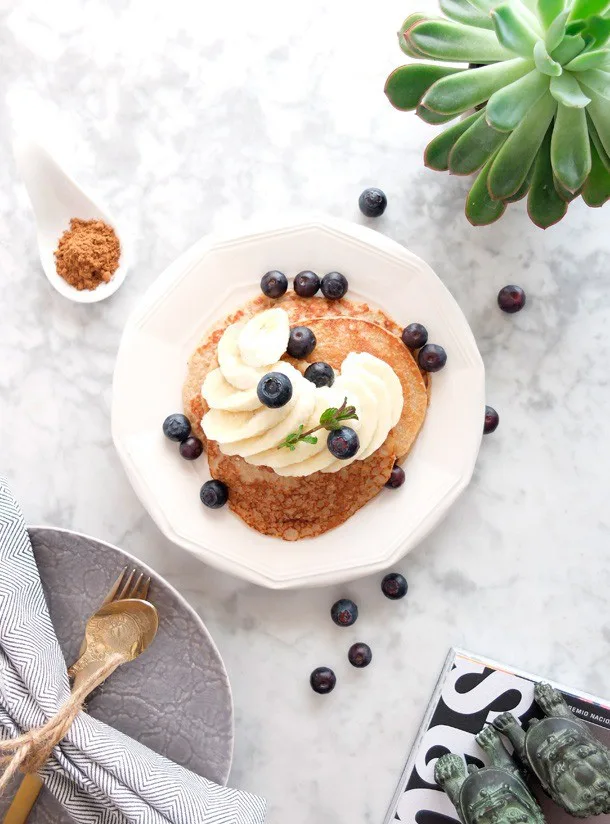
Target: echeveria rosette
{"x": 535, "y": 100}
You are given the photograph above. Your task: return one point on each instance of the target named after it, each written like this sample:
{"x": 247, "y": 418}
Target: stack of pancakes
{"x": 294, "y": 508}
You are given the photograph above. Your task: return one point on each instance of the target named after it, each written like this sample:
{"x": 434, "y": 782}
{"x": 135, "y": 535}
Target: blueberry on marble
{"x": 372, "y": 202}
{"x": 323, "y": 680}
{"x": 301, "y": 342}
{"x": 320, "y": 374}
{"x": 343, "y": 443}
{"x": 334, "y": 285}
{"x": 214, "y": 494}
{"x": 360, "y": 655}
{"x": 306, "y": 284}
{"x": 177, "y": 427}
{"x": 274, "y": 284}
{"x": 415, "y": 336}
{"x": 394, "y": 586}
{"x": 191, "y": 448}
{"x": 274, "y": 390}
{"x": 511, "y": 299}
{"x": 344, "y": 612}
{"x": 431, "y": 357}
{"x": 492, "y": 419}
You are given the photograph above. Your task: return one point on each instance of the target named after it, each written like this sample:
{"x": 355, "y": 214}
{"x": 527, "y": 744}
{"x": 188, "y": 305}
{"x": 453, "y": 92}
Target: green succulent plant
{"x": 534, "y": 100}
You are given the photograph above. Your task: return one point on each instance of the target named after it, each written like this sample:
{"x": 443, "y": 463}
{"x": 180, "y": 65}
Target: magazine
{"x": 470, "y": 693}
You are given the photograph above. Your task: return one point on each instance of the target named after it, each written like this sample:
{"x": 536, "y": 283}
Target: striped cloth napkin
{"x": 99, "y": 775}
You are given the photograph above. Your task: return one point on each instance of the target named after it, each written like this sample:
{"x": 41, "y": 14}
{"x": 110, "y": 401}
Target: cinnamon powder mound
{"x": 87, "y": 254}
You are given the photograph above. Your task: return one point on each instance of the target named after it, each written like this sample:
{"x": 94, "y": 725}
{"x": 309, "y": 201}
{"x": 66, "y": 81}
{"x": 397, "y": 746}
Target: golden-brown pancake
{"x": 294, "y": 508}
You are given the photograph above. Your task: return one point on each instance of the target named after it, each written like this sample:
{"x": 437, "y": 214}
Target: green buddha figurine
{"x": 572, "y": 766}
{"x": 492, "y": 795}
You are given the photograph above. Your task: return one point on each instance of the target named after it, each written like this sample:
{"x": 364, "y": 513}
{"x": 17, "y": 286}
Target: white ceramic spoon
{"x": 56, "y": 198}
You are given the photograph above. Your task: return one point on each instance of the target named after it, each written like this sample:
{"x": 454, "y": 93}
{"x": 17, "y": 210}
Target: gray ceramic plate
{"x": 176, "y": 698}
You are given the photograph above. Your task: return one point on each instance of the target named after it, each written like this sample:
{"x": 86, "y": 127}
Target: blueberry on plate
{"x": 511, "y": 299}
{"x": 306, "y": 284}
{"x": 343, "y": 443}
{"x": 274, "y": 284}
{"x": 394, "y": 586}
{"x": 492, "y": 419}
{"x": 431, "y": 357}
{"x": 334, "y": 285}
{"x": 372, "y": 202}
{"x": 323, "y": 680}
{"x": 397, "y": 477}
{"x": 214, "y": 494}
{"x": 344, "y": 612}
{"x": 320, "y": 374}
{"x": 360, "y": 655}
{"x": 274, "y": 390}
{"x": 177, "y": 427}
{"x": 415, "y": 336}
{"x": 191, "y": 448}
{"x": 301, "y": 342}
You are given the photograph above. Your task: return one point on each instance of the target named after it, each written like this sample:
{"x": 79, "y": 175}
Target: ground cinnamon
{"x": 88, "y": 253}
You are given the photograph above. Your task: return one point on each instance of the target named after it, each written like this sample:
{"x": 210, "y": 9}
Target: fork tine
{"x": 145, "y": 589}
{"x": 126, "y": 586}
{"x": 140, "y": 589}
{"x": 133, "y": 593}
{"x": 114, "y": 589}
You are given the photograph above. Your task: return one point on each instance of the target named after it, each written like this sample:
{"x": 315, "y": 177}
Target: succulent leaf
{"x": 590, "y": 60}
{"x": 565, "y": 194}
{"x": 407, "y": 47}
{"x": 566, "y": 90}
{"x": 596, "y": 80}
{"x": 436, "y": 155}
{"x": 522, "y": 190}
{"x": 481, "y": 210}
{"x": 544, "y": 205}
{"x": 508, "y": 106}
{"x": 570, "y": 148}
{"x": 556, "y": 31}
{"x": 434, "y": 118}
{"x": 452, "y": 95}
{"x": 585, "y": 8}
{"x": 599, "y": 111}
{"x": 475, "y": 147}
{"x": 595, "y": 139}
{"x": 544, "y": 62}
{"x": 512, "y": 31}
{"x": 597, "y": 188}
{"x": 464, "y": 12}
{"x": 570, "y": 46}
{"x": 599, "y": 29}
{"x": 446, "y": 40}
{"x": 514, "y": 159}
{"x": 406, "y": 86}
{"x": 550, "y": 11}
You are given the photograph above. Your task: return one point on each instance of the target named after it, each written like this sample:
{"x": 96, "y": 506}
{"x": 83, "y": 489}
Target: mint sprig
{"x": 330, "y": 419}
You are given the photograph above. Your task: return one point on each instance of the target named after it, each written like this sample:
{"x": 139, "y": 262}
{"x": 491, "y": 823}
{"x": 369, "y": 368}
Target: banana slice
{"x": 235, "y": 371}
{"x": 264, "y": 338}
{"x": 300, "y": 412}
{"x": 382, "y": 392}
{"x": 276, "y": 458}
{"x": 383, "y": 371}
{"x": 363, "y": 396}
{"x": 219, "y": 394}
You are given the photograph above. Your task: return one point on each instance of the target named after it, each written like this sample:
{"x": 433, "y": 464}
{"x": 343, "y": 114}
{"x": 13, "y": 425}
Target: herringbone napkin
{"x": 100, "y": 775}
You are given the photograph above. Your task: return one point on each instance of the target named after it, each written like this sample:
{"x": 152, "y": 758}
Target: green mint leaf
{"x": 328, "y": 415}
{"x": 332, "y": 425}
{"x": 310, "y": 439}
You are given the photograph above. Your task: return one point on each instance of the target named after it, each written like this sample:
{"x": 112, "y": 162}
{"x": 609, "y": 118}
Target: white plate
{"x": 206, "y": 283}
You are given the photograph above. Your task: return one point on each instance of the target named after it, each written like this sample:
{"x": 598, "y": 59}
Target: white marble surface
{"x": 188, "y": 116}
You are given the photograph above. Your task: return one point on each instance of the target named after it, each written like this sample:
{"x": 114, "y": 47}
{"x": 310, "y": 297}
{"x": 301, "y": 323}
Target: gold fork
{"x": 124, "y": 622}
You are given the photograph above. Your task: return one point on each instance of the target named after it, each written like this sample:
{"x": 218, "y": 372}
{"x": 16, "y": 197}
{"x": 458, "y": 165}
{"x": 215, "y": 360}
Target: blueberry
{"x": 511, "y": 299}
{"x": 343, "y": 443}
{"x": 321, "y": 374}
{"x": 372, "y": 202}
{"x": 431, "y": 357}
{"x": 214, "y": 494}
{"x": 306, "y": 284}
{"x": 274, "y": 390}
{"x": 323, "y": 680}
{"x": 334, "y": 285}
{"x": 394, "y": 586}
{"x": 301, "y": 342}
{"x": 397, "y": 477}
{"x": 492, "y": 419}
{"x": 274, "y": 284}
{"x": 360, "y": 655}
{"x": 415, "y": 336}
{"x": 191, "y": 448}
{"x": 177, "y": 427}
{"x": 344, "y": 612}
